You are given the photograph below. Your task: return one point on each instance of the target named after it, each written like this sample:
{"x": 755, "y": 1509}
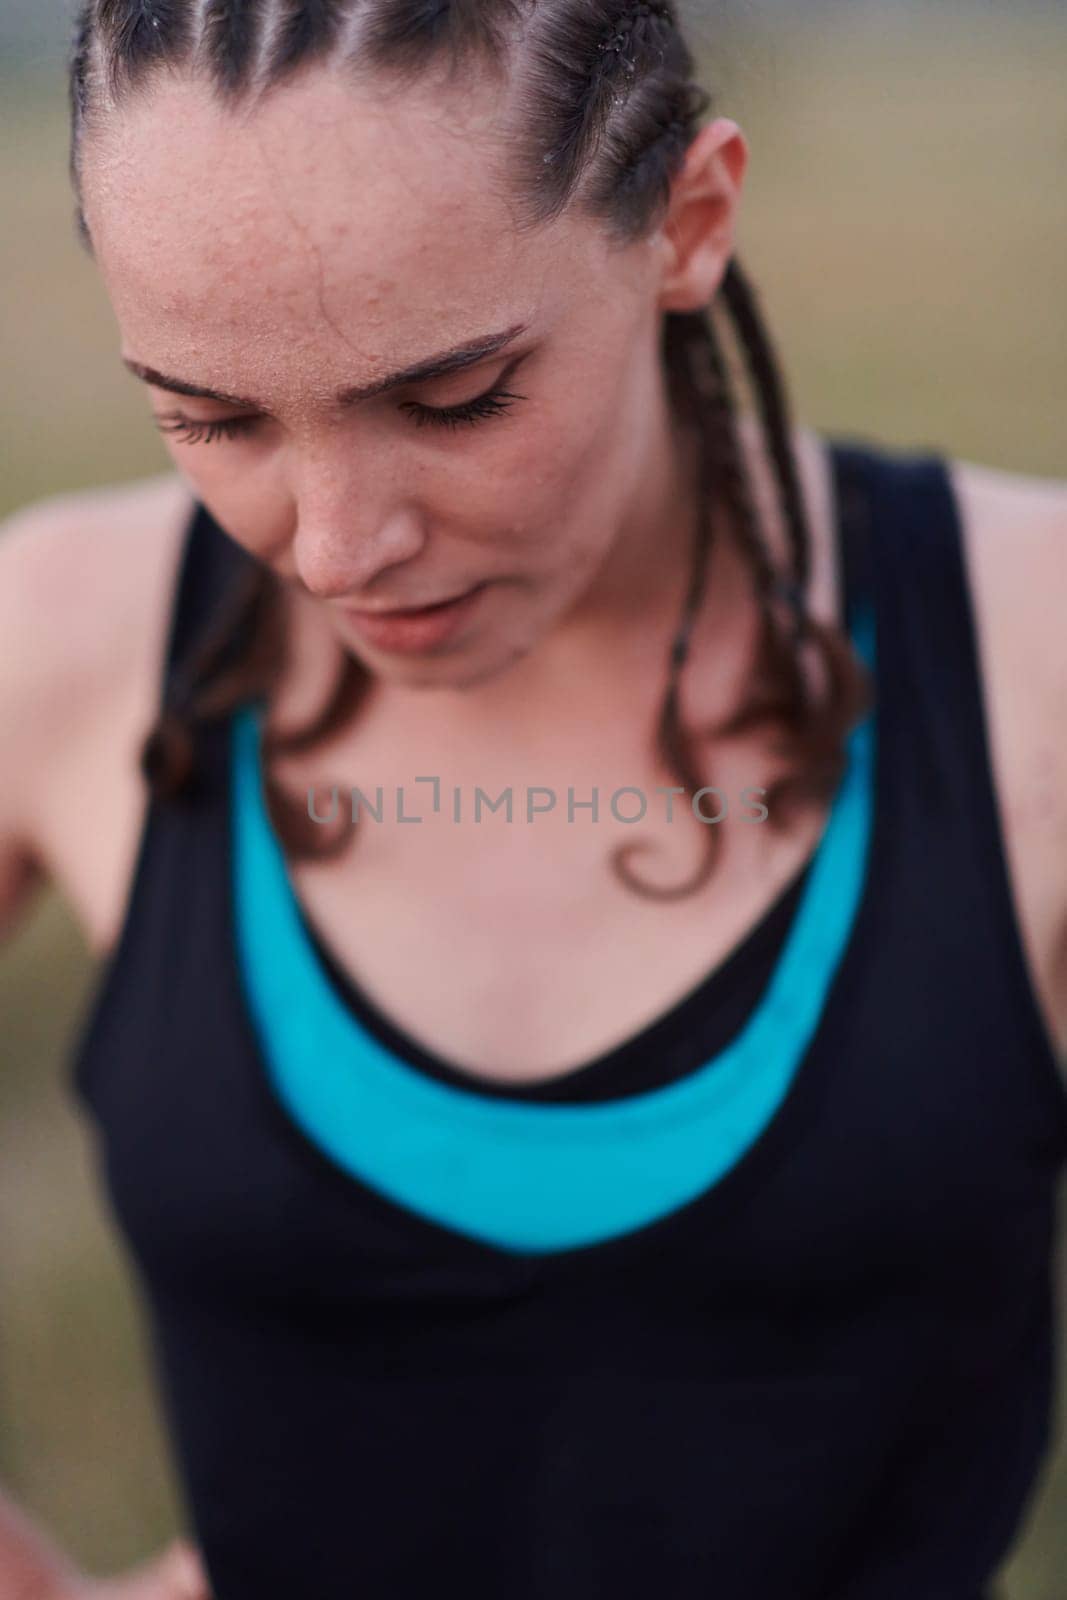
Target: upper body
{"x": 915, "y": 1344}
{"x": 340, "y": 278}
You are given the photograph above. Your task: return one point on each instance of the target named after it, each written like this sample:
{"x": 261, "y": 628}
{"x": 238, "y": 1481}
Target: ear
{"x": 698, "y": 232}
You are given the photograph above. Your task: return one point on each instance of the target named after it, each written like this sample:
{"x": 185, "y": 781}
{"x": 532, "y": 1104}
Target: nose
{"x": 351, "y": 527}
{"x": 342, "y": 558}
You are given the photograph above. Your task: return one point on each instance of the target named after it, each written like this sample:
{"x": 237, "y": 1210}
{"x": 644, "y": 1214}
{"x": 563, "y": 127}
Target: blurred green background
{"x": 906, "y": 219}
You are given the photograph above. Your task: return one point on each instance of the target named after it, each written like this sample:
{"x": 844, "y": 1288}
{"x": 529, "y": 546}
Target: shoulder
{"x": 1015, "y": 534}
{"x": 111, "y": 535}
{"x": 77, "y": 570}
{"x": 84, "y": 584}
{"x": 1014, "y": 538}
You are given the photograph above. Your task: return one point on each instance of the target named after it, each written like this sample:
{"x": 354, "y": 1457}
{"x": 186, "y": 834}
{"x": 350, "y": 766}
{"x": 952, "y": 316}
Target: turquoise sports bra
{"x": 532, "y": 1177}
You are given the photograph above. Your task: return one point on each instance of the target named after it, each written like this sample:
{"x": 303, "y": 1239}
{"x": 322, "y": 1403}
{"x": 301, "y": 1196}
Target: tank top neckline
{"x": 743, "y": 965}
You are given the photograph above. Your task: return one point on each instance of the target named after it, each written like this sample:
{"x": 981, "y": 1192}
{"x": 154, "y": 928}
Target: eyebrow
{"x": 436, "y": 366}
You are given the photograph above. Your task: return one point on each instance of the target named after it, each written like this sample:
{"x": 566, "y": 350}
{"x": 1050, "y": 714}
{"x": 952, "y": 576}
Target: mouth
{"x": 415, "y": 629}
{"x": 408, "y": 611}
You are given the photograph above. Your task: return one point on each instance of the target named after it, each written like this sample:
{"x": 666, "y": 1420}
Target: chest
{"x": 508, "y": 945}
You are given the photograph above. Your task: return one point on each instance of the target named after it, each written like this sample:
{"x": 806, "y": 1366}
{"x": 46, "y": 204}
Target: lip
{"x": 416, "y": 628}
{"x": 403, "y": 611}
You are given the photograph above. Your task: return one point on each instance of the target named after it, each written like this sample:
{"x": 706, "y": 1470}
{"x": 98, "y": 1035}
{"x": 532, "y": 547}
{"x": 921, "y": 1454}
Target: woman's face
{"x": 329, "y": 240}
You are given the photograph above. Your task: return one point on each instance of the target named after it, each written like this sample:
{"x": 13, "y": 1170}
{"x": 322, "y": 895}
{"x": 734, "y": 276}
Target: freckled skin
{"x": 338, "y": 232}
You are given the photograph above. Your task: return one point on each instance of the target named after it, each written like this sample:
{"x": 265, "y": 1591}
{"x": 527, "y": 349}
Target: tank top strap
{"x": 854, "y": 486}
{"x": 932, "y": 695}
{"x": 211, "y": 567}
{"x": 939, "y": 781}
{"x": 901, "y": 543}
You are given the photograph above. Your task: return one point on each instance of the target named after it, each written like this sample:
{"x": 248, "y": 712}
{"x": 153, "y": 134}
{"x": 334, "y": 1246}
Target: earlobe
{"x": 699, "y": 230}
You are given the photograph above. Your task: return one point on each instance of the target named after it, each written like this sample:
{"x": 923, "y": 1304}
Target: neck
{"x": 605, "y": 662}
{"x": 608, "y": 656}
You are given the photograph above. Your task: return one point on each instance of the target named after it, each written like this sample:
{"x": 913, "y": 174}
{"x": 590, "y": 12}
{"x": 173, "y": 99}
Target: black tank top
{"x": 828, "y": 1377}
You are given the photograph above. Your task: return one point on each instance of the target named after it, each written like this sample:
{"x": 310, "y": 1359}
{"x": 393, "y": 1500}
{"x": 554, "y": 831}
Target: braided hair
{"x": 606, "y": 107}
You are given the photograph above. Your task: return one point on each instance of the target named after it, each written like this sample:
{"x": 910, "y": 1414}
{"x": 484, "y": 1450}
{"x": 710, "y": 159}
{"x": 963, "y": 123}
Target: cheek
{"x": 546, "y": 491}
{"x": 247, "y": 499}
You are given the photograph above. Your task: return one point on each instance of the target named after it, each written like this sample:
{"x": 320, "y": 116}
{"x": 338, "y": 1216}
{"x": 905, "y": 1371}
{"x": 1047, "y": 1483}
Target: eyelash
{"x": 204, "y": 432}
{"x": 491, "y": 404}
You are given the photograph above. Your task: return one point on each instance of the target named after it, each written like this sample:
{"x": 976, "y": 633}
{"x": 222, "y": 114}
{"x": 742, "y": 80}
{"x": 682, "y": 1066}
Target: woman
{"x": 681, "y": 1228}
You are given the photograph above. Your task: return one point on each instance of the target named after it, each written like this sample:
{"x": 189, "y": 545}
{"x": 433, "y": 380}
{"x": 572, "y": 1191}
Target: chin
{"x": 457, "y": 670}
{"x": 447, "y": 672}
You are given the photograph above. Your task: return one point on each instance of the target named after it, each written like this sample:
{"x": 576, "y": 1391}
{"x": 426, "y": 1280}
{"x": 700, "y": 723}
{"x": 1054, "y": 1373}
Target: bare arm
{"x": 24, "y": 672}
{"x": 1016, "y": 549}
{"x": 45, "y": 682}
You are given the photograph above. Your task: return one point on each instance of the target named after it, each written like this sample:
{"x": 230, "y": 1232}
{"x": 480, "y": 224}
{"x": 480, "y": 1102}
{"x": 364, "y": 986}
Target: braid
{"x": 702, "y": 393}
{"x": 630, "y": 34}
{"x": 702, "y": 380}
{"x": 674, "y": 743}
{"x": 656, "y": 160}
{"x": 589, "y": 71}
{"x": 230, "y": 32}
{"x": 242, "y": 652}
{"x": 400, "y": 38}
{"x": 308, "y": 28}
{"x": 739, "y": 298}
{"x": 705, "y": 365}
{"x": 248, "y": 615}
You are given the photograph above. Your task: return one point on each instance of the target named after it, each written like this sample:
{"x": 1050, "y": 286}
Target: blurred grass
{"x": 906, "y": 221}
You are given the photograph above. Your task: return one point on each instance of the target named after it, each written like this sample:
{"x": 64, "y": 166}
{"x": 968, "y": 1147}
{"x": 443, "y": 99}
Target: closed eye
{"x": 188, "y": 431}
{"x": 493, "y": 403}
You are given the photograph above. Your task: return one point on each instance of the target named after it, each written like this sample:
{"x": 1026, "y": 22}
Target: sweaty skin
{"x": 351, "y": 234}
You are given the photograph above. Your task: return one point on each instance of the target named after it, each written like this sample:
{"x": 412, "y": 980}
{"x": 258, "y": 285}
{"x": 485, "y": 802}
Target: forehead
{"x": 326, "y": 210}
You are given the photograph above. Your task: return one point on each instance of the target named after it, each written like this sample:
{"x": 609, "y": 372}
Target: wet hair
{"x": 606, "y": 105}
